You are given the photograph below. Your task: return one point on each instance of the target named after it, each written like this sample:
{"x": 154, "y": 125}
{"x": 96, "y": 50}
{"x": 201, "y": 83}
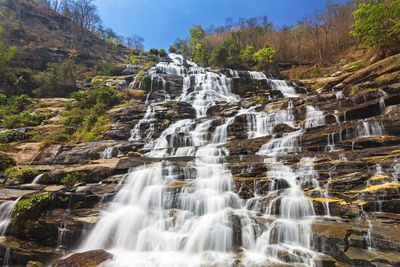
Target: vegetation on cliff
{"x": 30, "y": 208}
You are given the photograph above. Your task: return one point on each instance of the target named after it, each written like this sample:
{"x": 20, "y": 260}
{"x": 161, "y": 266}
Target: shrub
{"x": 24, "y": 175}
{"x": 107, "y": 69}
{"x": 63, "y": 135}
{"x": 134, "y": 60}
{"x": 104, "y": 96}
{"x": 72, "y": 178}
{"x": 5, "y": 162}
{"x": 154, "y": 51}
{"x": 173, "y": 49}
{"x": 21, "y": 120}
{"x": 88, "y": 120}
{"x": 135, "y": 94}
{"x": 162, "y": 52}
{"x": 58, "y": 79}
{"x": 30, "y": 208}
{"x": 377, "y": 24}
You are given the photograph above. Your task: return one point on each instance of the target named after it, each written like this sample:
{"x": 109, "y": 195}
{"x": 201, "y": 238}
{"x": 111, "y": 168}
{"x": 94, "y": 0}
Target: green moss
{"x": 355, "y": 66}
{"x": 24, "y": 175}
{"x": 259, "y": 101}
{"x": 30, "y": 208}
{"x": 354, "y": 89}
{"x": 72, "y": 178}
{"x": 377, "y": 84}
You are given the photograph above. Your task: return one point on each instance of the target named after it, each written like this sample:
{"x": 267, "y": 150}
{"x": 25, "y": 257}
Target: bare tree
{"x": 314, "y": 24}
{"x": 84, "y": 13}
{"x": 136, "y": 42}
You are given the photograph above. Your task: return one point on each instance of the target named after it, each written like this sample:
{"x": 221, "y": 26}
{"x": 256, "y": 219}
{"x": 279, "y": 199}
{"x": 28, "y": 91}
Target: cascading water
{"x": 168, "y": 215}
{"x": 370, "y": 128}
{"x": 282, "y": 86}
{"x": 314, "y": 117}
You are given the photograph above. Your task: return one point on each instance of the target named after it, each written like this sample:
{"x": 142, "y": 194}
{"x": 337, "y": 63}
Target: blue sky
{"x": 160, "y": 22}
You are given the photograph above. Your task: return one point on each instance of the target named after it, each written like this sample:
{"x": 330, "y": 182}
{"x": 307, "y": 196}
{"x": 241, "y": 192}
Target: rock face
{"x": 317, "y": 172}
{"x": 86, "y": 259}
{"x": 43, "y": 37}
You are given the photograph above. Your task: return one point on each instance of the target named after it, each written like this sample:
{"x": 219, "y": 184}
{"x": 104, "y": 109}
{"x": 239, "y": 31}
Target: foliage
{"x": 58, "y": 80}
{"x": 72, "y": 178}
{"x": 5, "y": 162}
{"x": 378, "y": 24}
{"x": 87, "y": 121}
{"x": 200, "y": 55}
{"x": 219, "y": 56}
{"x": 134, "y": 60}
{"x": 197, "y": 34}
{"x": 99, "y": 99}
{"x": 107, "y": 69}
{"x": 24, "y": 175}
{"x": 154, "y": 51}
{"x": 135, "y": 94}
{"x": 14, "y": 112}
{"x": 7, "y": 77}
{"x": 30, "y": 208}
{"x": 264, "y": 57}
{"x": 173, "y": 49}
{"x": 246, "y": 56}
{"x": 321, "y": 36}
{"x": 162, "y": 52}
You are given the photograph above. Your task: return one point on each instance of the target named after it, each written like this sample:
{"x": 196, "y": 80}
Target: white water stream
{"x": 168, "y": 215}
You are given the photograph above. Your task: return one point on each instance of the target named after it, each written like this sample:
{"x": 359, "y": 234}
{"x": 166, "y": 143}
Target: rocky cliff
{"x": 42, "y": 35}
{"x": 221, "y": 168}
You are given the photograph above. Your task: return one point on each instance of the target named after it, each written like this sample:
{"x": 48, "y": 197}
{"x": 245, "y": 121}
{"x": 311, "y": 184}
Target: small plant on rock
{"x": 30, "y": 208}
{"x": 72, "y": 178}
{"x": 24, "y": 175}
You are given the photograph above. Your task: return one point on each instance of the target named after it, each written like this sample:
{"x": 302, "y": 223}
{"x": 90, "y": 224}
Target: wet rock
{"x": 11, "y": 194}
{"x": 34, "y": 264}
{"x": 68, "y": 155}
{"x": 361, "y": 257}
{"x": 21, "y": 251}
{"x": 89, "y": 258}
{"x": 131, "y": 69}
{"x": 91, "y": 173}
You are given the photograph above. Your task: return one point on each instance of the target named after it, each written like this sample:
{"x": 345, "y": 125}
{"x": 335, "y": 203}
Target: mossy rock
{"x": 24, "y": 175}
{"x": 30, "y": 208}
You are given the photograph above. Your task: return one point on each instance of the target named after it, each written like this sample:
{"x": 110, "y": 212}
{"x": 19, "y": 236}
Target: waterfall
{"x": 37, "y": 179}
{"x": 6, "y": 214}
{"x": 172, "y": 215}
{"x": 148, "y": 119}
{"x": 314, "y": 117}
{"x": 370, "y": 129}
{"x": 282, "y": 86}
{"x": 262, "y": 124}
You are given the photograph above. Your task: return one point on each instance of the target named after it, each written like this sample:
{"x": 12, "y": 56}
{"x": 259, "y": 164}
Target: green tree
{"x": 199, "y": 54}
{"x": 7, "y": 77}
{"x": 264, "y": 58}
{"x": 162, "y": 52}
{"x": 246, "y": 56}
{"x": 196, "y": 34}
{"x": 154, "y": 51}
{"x": 57, "y": 79}
{"x": 377, "y": 24}
{"x": 173, "y": 49}
{"x": 219, "y": 56}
